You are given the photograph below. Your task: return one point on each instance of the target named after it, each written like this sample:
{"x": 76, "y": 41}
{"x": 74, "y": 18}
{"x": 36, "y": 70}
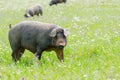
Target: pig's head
{"x": 52, "y": 2}
{"x": 59, "y": 37}
{"x": 26, "y": 15}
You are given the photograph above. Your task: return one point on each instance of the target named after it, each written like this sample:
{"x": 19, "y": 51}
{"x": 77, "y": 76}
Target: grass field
{"x": 93, "y": 50}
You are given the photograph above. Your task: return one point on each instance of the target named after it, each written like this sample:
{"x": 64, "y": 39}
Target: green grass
{"x": 93, "y": 50}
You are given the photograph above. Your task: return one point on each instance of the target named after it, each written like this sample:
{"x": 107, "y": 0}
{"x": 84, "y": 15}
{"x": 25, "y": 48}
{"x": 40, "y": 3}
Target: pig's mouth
{"x": 60, "y": 47}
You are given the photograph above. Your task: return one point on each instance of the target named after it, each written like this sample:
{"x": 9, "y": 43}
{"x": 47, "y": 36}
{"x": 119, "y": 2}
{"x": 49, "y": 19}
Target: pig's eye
{"x": 55, "y": 37}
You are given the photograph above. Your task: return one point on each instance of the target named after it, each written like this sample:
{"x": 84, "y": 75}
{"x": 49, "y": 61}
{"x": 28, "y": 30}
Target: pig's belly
{"x": 29, "y": 46}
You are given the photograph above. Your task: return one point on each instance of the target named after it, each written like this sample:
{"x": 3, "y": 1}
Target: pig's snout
{"x": 60, "y": 46}
{"x": 26, "y": 16}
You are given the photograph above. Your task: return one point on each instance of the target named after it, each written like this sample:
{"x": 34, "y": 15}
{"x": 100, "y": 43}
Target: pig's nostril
{"x": 61, "y": 47}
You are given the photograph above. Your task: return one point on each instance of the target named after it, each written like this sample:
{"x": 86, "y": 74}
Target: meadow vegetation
{"x": 93, "y": 50}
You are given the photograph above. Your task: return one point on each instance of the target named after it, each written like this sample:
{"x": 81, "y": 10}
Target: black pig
{"x": 55, "y": 2}
{"x": 37, "y": 37}
{"x": 33, "y": 10}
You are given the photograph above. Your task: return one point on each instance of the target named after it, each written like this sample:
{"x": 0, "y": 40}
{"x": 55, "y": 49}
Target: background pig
{"x": 53, "y": 2}
{"x": 34, "y": 10}
{"x": 37, "y": 37}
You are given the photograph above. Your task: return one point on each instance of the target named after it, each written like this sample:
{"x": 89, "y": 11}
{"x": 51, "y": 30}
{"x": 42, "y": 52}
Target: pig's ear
{"x": 66, "y": 32}
{"x": 53, "y": 33}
